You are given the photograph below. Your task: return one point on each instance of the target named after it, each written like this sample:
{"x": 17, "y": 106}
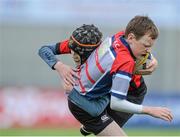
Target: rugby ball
{"x": 143, "y": 62}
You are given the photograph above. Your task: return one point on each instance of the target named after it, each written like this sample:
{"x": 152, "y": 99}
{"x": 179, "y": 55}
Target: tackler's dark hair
{"x": 84, "y": 40}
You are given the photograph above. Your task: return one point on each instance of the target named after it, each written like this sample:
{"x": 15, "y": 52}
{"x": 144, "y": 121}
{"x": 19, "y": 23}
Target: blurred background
{"x": 32, "y": 101}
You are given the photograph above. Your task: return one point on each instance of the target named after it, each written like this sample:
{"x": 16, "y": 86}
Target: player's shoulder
{"x": 123, "y": 62}
{"x": 119, "y": 34}
{"x": 123, "y": 55}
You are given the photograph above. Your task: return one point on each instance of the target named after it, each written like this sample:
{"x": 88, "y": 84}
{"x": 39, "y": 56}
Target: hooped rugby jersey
{"x": 108, "y": 69}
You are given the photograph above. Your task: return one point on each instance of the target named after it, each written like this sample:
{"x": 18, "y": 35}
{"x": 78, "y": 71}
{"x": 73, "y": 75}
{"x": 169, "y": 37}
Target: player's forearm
{"x": 128, "y": 107}
{"x": 125, "y": 106}
{"x": 47, "y": 53}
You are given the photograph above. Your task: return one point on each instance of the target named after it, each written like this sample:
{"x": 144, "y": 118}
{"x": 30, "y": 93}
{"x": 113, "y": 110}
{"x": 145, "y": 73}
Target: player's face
{"x": 142, "y": 46}
{"x": 76, "y": 58}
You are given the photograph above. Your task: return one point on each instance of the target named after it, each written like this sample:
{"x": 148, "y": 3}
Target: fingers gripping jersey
{"x": 108, "y": 69}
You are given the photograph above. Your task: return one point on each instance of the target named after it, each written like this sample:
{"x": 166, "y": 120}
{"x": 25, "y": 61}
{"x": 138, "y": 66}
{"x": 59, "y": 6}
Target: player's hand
{"x": 67, "y": 74}
{"x": 150, "y": 68}
{"x": 158, "y": 112}
{"x": 67, "y": 87}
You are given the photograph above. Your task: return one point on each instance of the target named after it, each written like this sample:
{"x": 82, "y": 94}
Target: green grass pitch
{"x": 75, "y": 132}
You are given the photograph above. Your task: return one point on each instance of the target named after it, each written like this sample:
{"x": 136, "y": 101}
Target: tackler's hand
{"x": 67, "y": 87}
{"x": 67, "y": 74}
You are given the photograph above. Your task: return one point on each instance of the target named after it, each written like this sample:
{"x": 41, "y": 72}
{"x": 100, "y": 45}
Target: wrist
{"x": 146, "y": 110}
{"x": 57, "y": 65}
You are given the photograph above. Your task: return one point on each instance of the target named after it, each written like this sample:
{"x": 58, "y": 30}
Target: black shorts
{"x": 121, "y": 117}
{"x": 92, "y": 124}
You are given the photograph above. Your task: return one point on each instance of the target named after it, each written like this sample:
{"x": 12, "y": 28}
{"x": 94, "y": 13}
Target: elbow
{"x": 112, "y": 105}
{"x": 117, "y": 104}
{"x": 117, "y": 107}
{"x": 41, "y": 50}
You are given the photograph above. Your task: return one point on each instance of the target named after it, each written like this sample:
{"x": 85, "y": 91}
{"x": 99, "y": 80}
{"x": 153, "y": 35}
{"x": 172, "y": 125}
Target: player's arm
{"x": 48, "y": 54}
{"x": 119, "y": 90}
{"x": 119, "y": 103}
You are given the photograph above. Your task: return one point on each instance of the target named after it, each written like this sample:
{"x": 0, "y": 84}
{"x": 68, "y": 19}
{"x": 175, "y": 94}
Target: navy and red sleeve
{"x": 137, "y": 85}
{"x": 62, "y": 47}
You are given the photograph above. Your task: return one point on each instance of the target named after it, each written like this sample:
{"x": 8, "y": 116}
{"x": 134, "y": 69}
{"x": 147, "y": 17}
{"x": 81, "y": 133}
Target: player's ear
{"x": 130, "y": 37}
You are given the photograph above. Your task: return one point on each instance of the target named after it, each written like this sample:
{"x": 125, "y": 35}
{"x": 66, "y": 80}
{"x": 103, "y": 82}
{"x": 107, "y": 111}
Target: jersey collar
{"x": 124, "y": 42}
